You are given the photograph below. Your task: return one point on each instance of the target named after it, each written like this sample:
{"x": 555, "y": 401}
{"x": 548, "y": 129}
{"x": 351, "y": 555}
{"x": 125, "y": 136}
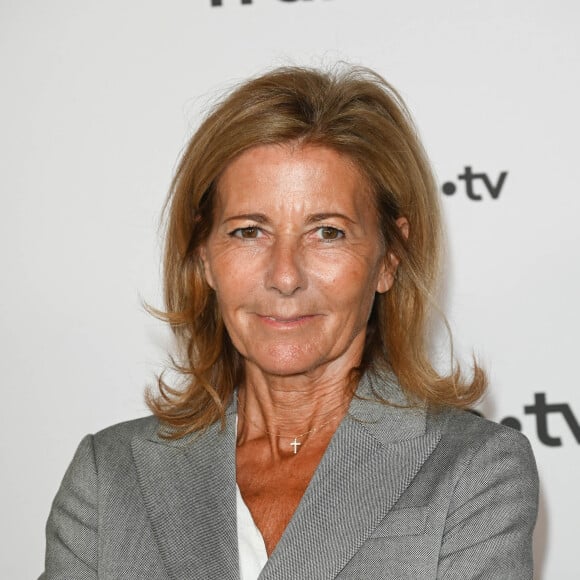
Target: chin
{"x": 287, "y": 362}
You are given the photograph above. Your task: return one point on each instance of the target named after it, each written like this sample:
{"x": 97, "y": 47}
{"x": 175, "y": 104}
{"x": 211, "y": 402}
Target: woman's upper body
{"x": 295, "y": 260}
{"x": 400, "y": 493}
{"x": 301, "y": 253}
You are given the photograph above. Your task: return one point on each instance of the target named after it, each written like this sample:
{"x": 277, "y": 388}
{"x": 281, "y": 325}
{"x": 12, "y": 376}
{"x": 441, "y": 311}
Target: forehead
{"x": 311, "y": 174}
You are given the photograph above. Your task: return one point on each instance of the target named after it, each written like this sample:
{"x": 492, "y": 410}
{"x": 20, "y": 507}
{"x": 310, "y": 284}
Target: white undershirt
{"x": 251, "y": 547}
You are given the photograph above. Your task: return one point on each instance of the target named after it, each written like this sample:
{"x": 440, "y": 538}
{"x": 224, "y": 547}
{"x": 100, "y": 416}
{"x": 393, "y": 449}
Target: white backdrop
{"x": 98, "y": 97}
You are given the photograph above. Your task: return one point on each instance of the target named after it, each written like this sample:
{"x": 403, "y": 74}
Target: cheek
{"x": 231, "y": 279}
{"x": 222, "y": 267}
{"x": 352, "y": 288}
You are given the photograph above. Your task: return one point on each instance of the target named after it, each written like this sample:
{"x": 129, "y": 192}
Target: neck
{"x": 289, "y": 411}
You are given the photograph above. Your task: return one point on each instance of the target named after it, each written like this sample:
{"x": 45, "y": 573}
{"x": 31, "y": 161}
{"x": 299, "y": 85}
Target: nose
{"x": 286, "y": 268}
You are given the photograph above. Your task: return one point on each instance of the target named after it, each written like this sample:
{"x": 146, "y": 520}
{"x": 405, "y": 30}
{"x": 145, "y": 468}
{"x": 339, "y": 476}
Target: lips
{"x": 278, "y": 320}
{"x": 286, "y": 318}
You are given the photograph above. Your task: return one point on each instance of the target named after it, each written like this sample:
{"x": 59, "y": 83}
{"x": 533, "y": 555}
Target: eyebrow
{"x": 254, "y": 217}
{"x": 312, "y": 219}
{"x": 320, "y": 217}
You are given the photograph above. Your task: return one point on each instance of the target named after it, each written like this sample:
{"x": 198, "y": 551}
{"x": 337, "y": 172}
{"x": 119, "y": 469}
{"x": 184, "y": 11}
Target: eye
{"x": 247, "y": 233}
{"x": 329, "y": 233}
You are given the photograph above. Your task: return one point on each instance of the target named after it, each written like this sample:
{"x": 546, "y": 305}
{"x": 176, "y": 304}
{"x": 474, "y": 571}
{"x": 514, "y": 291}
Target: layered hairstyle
{"x": 355, "y": 112}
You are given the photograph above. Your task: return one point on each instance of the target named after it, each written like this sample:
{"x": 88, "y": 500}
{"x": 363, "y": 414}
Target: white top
{"x": 251, "y": 547}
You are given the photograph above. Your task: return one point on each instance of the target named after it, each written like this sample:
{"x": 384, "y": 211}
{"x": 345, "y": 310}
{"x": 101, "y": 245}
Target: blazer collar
{"x": 188, "y": 487}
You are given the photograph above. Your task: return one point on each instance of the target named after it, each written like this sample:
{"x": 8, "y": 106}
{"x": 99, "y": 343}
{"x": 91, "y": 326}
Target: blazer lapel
{"x": 371, "y": 460}
{"x": 189, "y": 491}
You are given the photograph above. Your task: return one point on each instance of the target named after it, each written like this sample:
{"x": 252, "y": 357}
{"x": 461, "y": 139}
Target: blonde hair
{"x": 355, "y": 112}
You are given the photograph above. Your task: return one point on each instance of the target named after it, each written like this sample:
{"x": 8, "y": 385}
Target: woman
{"x": 311, "y": 438}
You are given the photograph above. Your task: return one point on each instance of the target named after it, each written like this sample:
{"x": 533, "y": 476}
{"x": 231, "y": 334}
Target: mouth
{"x": 286, "y": 321}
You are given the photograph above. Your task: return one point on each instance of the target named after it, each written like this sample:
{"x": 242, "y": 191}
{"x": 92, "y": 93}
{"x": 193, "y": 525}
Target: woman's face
{"x": 295, "y": 258}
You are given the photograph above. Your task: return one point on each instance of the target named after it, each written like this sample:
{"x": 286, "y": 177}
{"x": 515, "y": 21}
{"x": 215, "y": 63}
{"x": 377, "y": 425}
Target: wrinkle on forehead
{"x": 304, "y": 176}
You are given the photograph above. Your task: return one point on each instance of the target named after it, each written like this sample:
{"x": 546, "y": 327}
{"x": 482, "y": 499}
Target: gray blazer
{"x": 399, "y": 494}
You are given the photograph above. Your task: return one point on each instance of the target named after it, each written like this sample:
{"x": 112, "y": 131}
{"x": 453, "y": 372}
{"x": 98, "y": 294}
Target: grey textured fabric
{"x": 399, "y": 494}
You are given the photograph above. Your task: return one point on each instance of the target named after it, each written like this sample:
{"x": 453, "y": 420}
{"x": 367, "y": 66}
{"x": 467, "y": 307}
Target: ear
{"x": 202, "y": 253}
{"x": 391, "y": 262}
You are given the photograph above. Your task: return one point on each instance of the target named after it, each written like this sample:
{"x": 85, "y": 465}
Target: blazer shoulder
{"x": 118, "y": 438}
{"x": 490, "y": 473}
{"x": 466, "y": 435}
